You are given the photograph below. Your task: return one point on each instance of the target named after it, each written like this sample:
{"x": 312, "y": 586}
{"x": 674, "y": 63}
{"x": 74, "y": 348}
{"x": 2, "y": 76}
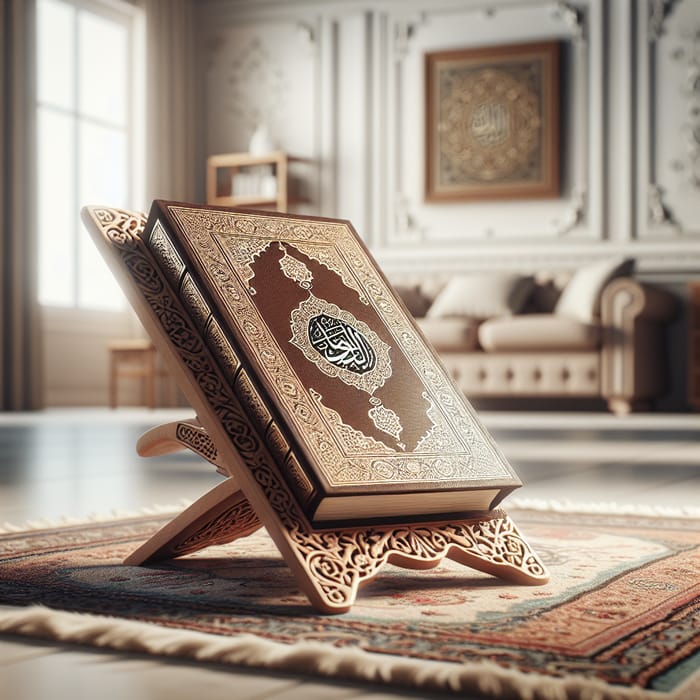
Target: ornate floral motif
{"x": 386, "y": 420}
{"x": 354, "y": 441}
{"x": 295, "y": 270}
{"x": 342, "y": 560}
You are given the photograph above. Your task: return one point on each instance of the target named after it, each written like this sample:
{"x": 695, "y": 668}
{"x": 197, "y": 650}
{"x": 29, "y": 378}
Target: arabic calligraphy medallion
{"x": 340, "y": 345}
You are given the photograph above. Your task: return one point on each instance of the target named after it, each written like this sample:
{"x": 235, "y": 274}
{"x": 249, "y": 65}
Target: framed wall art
{"x": 492, "y": 122}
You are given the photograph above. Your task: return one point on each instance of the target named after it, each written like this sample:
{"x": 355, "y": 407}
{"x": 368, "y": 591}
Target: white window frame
{"x": 131, "y": 17}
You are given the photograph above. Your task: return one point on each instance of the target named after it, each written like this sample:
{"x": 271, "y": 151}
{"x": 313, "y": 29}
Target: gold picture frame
{"x": 492, "y": 122}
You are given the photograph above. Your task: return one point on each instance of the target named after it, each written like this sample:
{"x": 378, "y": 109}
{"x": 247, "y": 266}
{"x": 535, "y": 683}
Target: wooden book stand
{"x": 328, "y": 564}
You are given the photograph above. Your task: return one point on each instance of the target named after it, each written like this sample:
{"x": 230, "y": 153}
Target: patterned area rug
{"x": 620, "y": 618}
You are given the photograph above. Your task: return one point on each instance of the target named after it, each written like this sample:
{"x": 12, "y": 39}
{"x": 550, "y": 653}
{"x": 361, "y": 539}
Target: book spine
{"x": 190, "y": 296}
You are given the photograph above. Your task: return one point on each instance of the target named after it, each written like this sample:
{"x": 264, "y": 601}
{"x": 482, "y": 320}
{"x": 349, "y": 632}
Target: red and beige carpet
{"x": 620, "y": 617}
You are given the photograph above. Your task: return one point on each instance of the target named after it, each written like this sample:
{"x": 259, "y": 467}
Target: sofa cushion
{"x": 537, "y": 332}
{"x": 482, "y": 295}
{"x": 416, "y": 302}
{"x": 458, "y": 334}
{"x": 581, "y": 296}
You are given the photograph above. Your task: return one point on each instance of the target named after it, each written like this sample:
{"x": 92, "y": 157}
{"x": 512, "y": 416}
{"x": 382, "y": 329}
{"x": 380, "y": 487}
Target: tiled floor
{"x": 76, "y": 463}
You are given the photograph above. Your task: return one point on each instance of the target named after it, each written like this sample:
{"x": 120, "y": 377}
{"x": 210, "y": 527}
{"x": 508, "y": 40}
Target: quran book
{"x": 356, "y": 409}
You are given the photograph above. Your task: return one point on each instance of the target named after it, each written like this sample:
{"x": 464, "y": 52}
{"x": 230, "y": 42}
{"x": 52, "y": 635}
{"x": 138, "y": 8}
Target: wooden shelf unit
{"x": 694, "y": 345}
{"x": 220, "y": 189}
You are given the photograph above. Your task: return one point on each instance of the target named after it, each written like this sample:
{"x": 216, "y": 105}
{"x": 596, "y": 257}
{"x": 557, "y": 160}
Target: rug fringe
{"x": 486, "y": 678}
{"x": 603, "y": 508}
{"x": 68, "y": 521}
{"x": 557, "y": 506}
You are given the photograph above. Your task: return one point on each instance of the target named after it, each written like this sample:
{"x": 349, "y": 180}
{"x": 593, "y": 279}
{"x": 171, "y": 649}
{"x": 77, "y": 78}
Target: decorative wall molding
{"x": 573, "y": 215}
{"x": 257, "y": 85}
{"x": 307, "y": 35}
{"x": 659, "y": 213}
{"x": 404, "y": 31}
{"x": 651, "y": 259}
{"x": 659, "y": 11}
{"x": 572, "y": 17}
{"x": 657, "y": 217}
{"x": 407, "y": 228}
{"x": 688, "y": 58}
{"x": 581, "y": 212}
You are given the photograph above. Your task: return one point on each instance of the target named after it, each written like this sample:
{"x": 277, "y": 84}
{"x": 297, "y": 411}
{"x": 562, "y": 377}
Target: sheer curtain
{"x": 20, "y": 338}
{"x": 170, "y": 100}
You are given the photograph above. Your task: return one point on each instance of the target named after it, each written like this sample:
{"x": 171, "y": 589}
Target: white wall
{"x": 341, "y": 82}
{"x": 76, "y": 356}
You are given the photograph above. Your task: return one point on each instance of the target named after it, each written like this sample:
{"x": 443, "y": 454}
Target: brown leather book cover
{"x": 334, "y": 374}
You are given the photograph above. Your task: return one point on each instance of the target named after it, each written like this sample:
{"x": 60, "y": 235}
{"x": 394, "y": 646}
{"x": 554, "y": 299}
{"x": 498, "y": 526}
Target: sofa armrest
{"x": 633, "y": 369}
{"x": 639, "y": 299}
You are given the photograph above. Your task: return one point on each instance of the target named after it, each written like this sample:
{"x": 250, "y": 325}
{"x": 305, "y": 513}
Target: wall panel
{"x": 341, "y": 82}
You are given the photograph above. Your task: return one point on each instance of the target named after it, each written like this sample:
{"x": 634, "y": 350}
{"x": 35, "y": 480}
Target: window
{"x": 86, "y": 142}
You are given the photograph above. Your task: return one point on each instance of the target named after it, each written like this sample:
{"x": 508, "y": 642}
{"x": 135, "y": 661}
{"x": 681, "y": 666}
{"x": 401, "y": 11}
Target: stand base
{"x": 331, "y": 565}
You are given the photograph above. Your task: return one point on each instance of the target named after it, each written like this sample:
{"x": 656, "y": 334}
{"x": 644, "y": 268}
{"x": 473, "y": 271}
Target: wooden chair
{"x": 136, "y": 359}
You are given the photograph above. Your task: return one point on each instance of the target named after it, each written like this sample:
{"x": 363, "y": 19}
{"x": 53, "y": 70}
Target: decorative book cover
{"x": 362, "y": 419}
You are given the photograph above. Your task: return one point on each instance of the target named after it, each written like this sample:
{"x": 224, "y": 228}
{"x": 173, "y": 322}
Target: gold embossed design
{"x": 345, "y": 354}
{"x": 220, "y": 347}
{"x": 251, "y": 400}
{"x": 438, "y": 438}
{"x": 301, "y": 485}
{"x": 328, "y": 257}
{"x": 172, "y": 263}
{"x": 295, "y": 269}
{"x": 385, "y": 420}
{"x": 276, "y": 443}
{"x": 254, "y": 234}
{"x": 194, "y": 301}
{"x": 353, "y": 440}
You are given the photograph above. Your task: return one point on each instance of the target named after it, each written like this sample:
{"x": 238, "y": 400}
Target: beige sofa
{"x": 609, "y": 345}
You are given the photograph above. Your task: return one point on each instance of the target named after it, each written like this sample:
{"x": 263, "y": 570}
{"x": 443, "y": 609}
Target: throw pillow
{"x": 482, "y": 295}
{"x": 581, "y": 296}
{"x": 416, "y": 302}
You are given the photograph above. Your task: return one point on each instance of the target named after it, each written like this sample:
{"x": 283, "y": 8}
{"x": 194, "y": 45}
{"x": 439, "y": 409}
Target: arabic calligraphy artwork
{"x": 492, "y": 123}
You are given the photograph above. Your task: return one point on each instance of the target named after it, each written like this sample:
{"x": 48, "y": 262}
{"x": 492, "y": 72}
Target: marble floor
{"x": 75, "y": 463}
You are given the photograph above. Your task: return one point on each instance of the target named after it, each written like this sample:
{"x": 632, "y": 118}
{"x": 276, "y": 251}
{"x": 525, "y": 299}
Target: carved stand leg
{"x": 180, "y": 435}
{"x": 220, "y": 516}
{"x": 339, "y": 561}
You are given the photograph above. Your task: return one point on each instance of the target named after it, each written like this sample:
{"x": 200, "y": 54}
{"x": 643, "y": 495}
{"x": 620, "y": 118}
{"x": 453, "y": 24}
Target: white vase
{"x": 260, "y": 142}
